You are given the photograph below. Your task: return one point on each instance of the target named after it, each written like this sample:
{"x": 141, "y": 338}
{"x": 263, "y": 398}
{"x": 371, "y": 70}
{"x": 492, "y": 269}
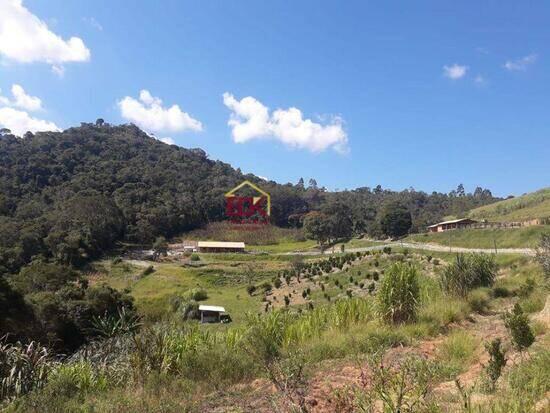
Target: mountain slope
{"x": 525, "y": 207}
{"x": 71, "y": 195}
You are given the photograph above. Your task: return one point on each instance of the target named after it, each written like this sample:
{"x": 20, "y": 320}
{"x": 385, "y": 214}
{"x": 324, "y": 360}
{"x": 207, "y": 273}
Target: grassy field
{"x": 329, "y": 325}
{"x": 529, "y": 206}
{"x": 527, "y": 237}
{"x": 224, "y": 281}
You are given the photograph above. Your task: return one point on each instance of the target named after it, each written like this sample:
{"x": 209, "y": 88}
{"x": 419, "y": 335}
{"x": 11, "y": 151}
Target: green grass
{"x": 527, "y": 237}
{"x": 457, "y": 352}
{"x": 224, "y": 285}
{"x": 528, "y": 206}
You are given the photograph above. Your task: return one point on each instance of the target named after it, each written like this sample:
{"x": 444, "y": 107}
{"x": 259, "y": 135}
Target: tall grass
{"x": 399, "y": 294}
{"x": 467, "y": 272}
{"x": 22, "y": 368}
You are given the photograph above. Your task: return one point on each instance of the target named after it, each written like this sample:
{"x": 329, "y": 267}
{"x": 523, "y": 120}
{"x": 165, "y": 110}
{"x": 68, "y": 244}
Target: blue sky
{"x": 427, "y": 94}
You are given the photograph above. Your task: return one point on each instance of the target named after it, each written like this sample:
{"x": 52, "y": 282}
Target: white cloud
{"x": 148, "y": 113}
{"x": 93, "y": 22}
{"x": 520, "y": 64}
{"x": 59, "y": 70}
{"x": 25, "y": 38}
{"x": 21, "y": 99}
{"x": 24, "y": 101}
{"x": 20, "y": 122}
{"x": 251, "y": 120}
{"x": 455, "y": 71}
{"x": 480, "y": 80}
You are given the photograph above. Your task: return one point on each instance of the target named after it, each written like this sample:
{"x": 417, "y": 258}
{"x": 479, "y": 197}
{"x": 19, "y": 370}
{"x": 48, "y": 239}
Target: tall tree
{"x": 395, "y": 220}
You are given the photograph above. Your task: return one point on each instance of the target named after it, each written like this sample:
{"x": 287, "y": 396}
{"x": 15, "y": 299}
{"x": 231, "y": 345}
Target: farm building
{"x": 219, "y": 246}
{"x": 212, "y": 314}
{"x": 453, "y": 224}
{"x": 184, "y": 246}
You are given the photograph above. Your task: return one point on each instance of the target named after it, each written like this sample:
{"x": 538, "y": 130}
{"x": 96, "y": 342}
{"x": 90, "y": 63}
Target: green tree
{"x": 317, "y": 227}
{"x": 395, "y": 220}
{"x": 160, "y": 247}
{"x": 518, "y": 326}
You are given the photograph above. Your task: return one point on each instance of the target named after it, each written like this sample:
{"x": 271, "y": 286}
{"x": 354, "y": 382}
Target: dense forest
{"x": 68, "y": 197}
{"x": 71, "y": 195}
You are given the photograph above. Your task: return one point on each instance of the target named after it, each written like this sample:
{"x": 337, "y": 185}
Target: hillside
{"x": 525, "y": 237}
{"x": 72, "y": 195}
{"x": 525, "y": 207}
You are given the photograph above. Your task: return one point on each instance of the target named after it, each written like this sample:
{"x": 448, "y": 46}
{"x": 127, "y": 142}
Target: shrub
{"x": 398, "y": 296}
{"x": 195, "y": 257}
{"x": 266, "y": 286}
{"x": 250, "y": 289}
{"x": 126, "y": 321}
{"x": 543, "y": 254}
{"x": 517, "y": 324}
{"x": 277, "y": 282}
{"x": 501, "y": 292}
{"x": 526, "y": 288}
{"x": 22, "y": 368}
{"x": 478, "y": 300}
{"x": 467, "y": 272}
{"x": 149, "y": 270}
{"x": 197, "y": 294}
{"x": 496, "y": 363}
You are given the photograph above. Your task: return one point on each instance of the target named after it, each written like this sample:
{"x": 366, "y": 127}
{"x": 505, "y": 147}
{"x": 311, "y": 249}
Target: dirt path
{"x": 419, "y": 246}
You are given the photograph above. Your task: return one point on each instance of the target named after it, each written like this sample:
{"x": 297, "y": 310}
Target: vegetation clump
{"x": 399, "y": 293}
{"x": 496, "y": 363}
{"x": 468, "y": 271}
{"x": 517, "y": 324}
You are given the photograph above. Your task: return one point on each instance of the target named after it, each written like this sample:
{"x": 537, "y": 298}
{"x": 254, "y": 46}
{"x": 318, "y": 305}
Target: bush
{"x": 517, "y": 324}
{"x": 543, "y": 254}
{"x": 467, "y": 272}
{"x": 149, "y": 270}
{"x": 195, "y": 257}
{"x": 501, "y": 292}
{"x": 266, "y": 286}
{"x": 196, "y": 294}
{"x": 22, "y": 368}
{"x": 526, "y": 288}
{"x": 478, "y": 300}
{"x": 398, "y": 296}
{"x": 250, "y": 289}
{"x": 497, "y": 361}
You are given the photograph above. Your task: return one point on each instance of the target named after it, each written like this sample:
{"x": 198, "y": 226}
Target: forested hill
{"x": 71, "y": 195}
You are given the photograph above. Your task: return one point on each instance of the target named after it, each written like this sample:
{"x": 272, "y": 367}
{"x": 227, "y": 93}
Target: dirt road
{"x": 419, "y": 246}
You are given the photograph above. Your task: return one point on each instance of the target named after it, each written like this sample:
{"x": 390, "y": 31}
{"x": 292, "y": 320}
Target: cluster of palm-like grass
{"x": 23, "y": 368}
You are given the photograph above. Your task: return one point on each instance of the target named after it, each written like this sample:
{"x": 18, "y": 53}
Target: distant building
{"x": 184, "y": 246}
{"x": 212, "y": 314}
{"x": 453, "y": 224}
{"x": 219, "y": 246}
